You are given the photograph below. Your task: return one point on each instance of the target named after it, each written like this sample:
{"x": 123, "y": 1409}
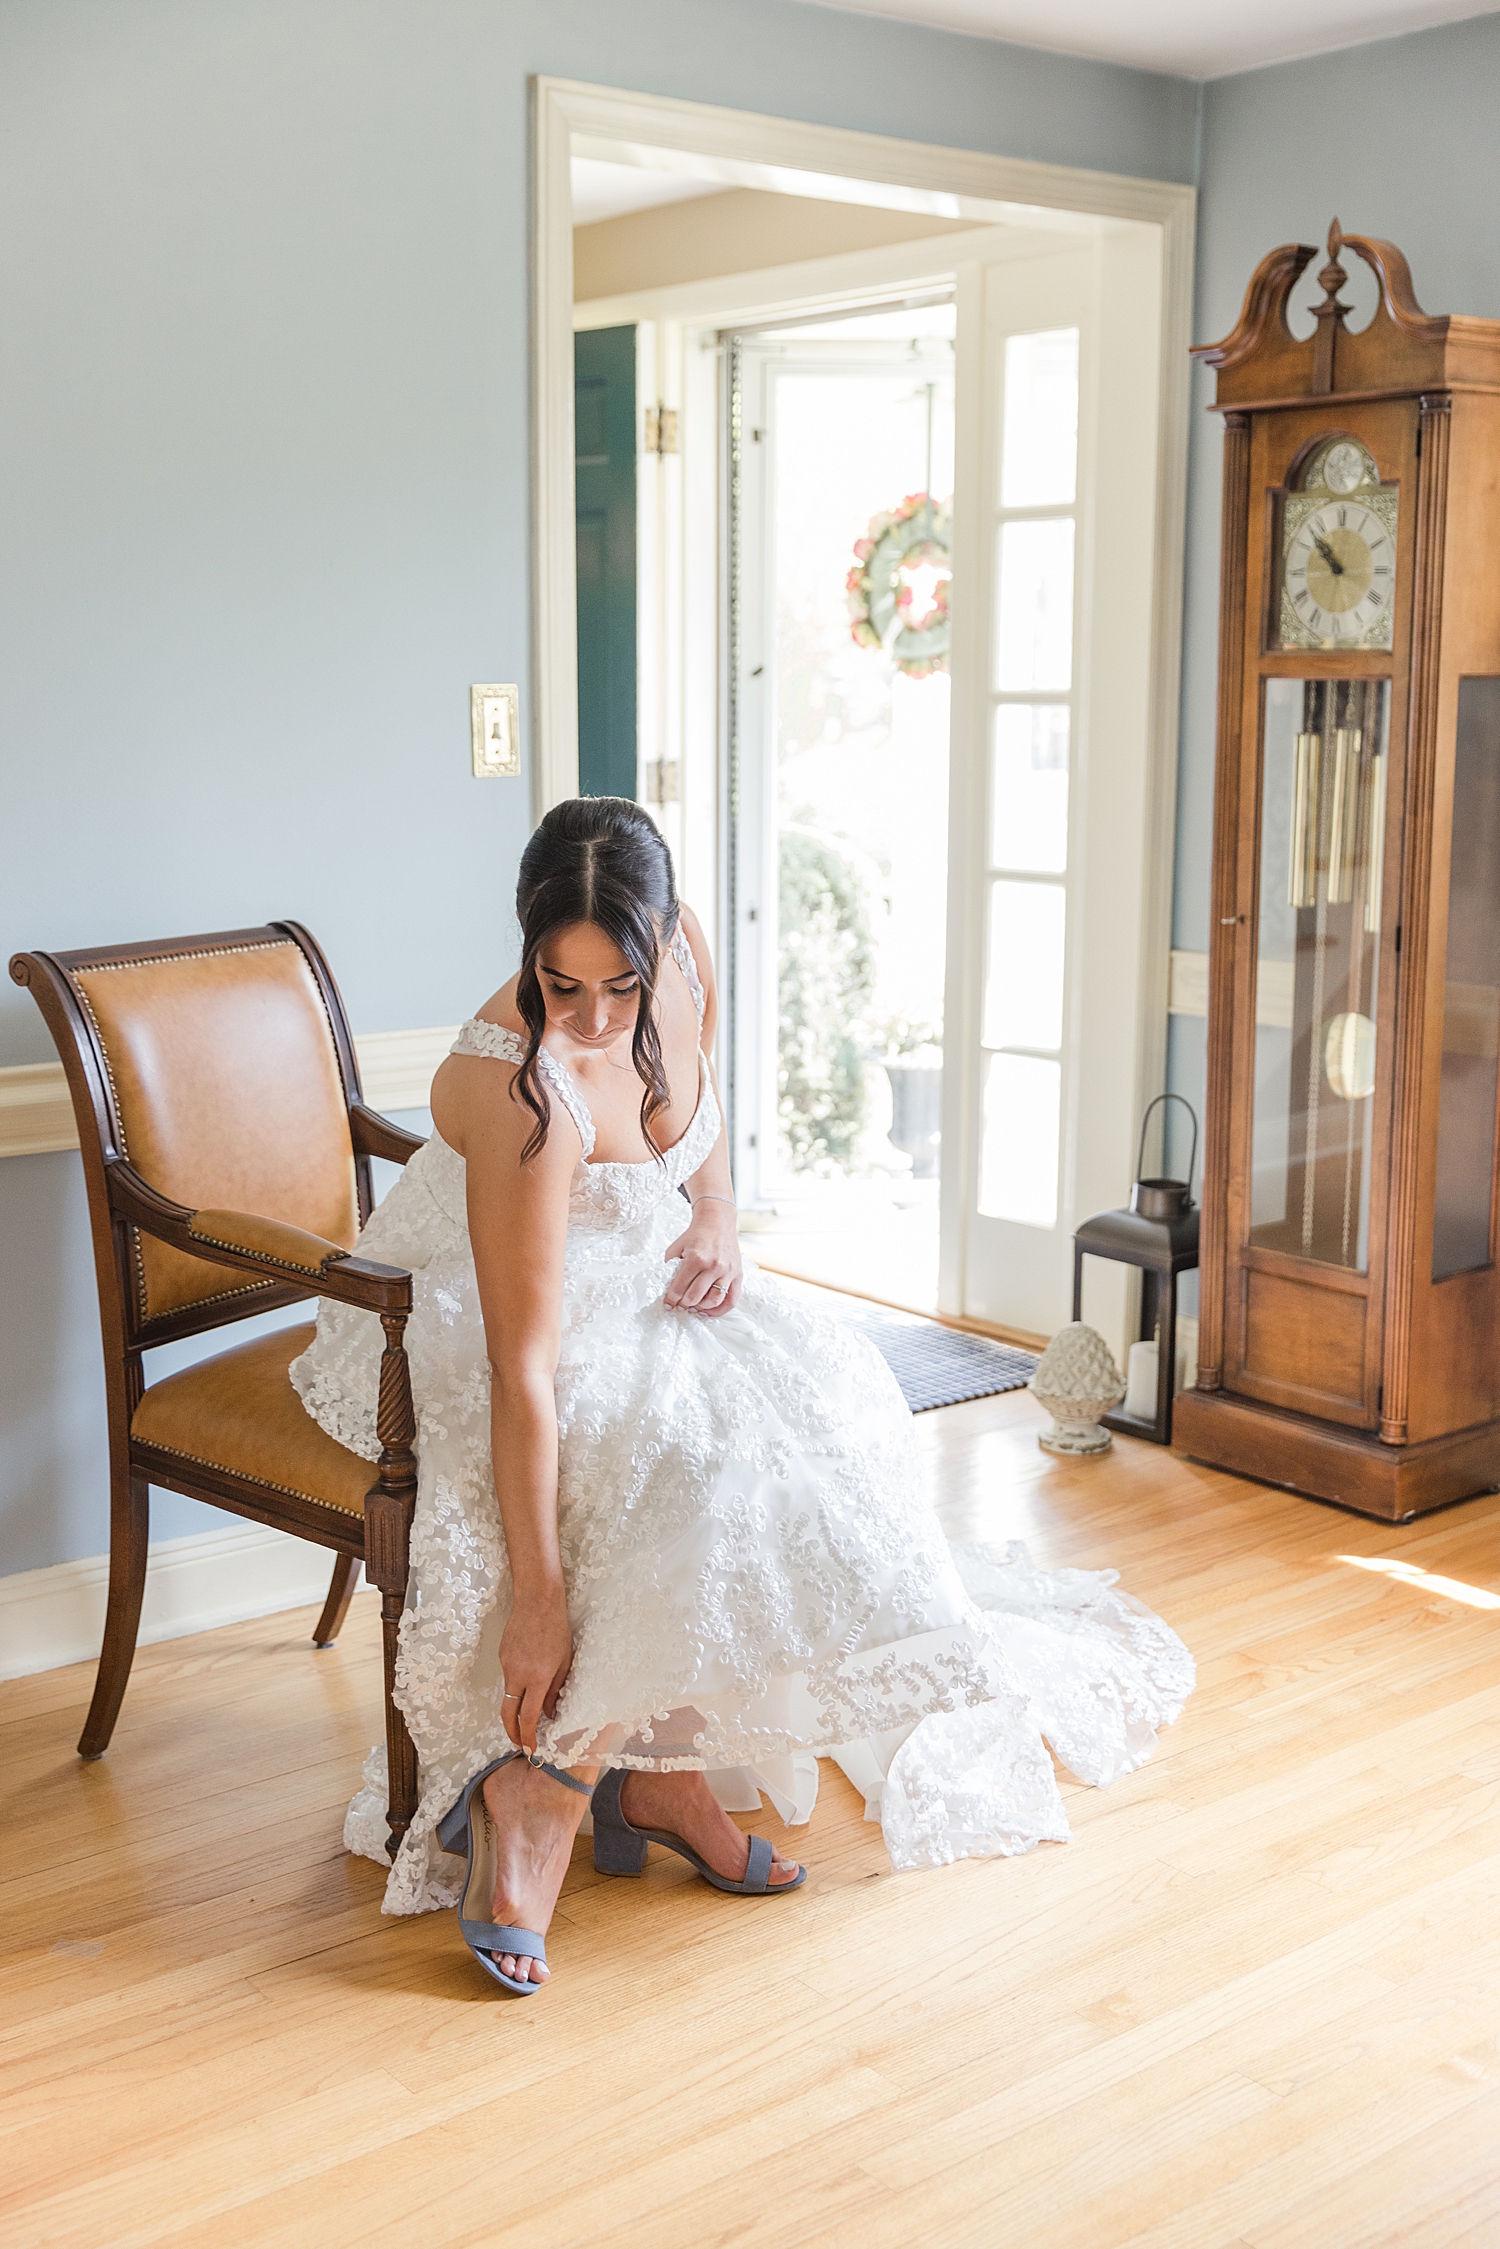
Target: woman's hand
{"x": 709, "y": 1272}
{"x": 536, "y": 1653}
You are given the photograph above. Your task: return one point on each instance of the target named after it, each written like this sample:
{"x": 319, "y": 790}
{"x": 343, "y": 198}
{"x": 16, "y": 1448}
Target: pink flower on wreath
{"x": 923, "y": 573}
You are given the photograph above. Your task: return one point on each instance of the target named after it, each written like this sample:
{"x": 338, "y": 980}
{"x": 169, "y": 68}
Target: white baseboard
{"x": 56, "y": 1616}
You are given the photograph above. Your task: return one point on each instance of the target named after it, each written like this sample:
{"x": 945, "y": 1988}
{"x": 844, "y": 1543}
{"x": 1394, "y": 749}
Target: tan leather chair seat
{"x": 239, "y": 1411}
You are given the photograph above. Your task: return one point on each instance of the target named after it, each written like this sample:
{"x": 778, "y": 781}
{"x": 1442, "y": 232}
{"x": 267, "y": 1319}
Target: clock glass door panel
{"x": 1471, "y": 992}
{"x": 1323, "y": 795}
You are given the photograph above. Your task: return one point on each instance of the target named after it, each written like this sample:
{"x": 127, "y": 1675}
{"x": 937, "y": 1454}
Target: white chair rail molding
{"x": 395, "y": 1068}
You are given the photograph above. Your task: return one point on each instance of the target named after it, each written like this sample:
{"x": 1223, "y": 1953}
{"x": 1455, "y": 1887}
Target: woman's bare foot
{"x": 685, "y": 1805}
{"x": 534, "y": 1821}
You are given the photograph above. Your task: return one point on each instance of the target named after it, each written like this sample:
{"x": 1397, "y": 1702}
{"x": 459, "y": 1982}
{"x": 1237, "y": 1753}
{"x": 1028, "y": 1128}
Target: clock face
{"x": 1338, "y": 553}
{"x": 1341, "y": 574}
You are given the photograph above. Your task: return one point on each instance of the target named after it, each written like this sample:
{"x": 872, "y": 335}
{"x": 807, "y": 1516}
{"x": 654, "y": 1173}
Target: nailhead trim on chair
{"x": 198, "y": 953}
{"x": 88, "y": 1008}
{"x": 266, "y": 1483}
{"x": 264, "y": 1257}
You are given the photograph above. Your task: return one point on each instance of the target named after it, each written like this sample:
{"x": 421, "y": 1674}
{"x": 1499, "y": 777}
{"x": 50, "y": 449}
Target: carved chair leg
{"x": 401, "y": 1753}
{"x": 128, "y": 1534}
{"x": 389, "y": 1507}
{"x": 388, "y": 1524}
{"x": 340, "y": 1593}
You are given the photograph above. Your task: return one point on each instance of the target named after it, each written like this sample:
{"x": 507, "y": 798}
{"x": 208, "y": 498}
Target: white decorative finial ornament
{"x": 1077, "y": 1380}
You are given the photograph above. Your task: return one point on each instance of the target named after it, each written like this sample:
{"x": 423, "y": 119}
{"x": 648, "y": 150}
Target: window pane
{"x": 1018, "y": 1158}
{"x": 1023, "y": 995}
{"x": 1040, "y": 458}
{"x": 1029, "y": 793}
{"x": 1471, "y": 992}
{"x": 1034, "y": 643}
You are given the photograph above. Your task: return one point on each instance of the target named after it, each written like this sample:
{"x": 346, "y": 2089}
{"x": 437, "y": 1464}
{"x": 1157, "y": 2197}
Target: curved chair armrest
{"x": 261, "y": 1245}
{"x": 375, "y": 1135}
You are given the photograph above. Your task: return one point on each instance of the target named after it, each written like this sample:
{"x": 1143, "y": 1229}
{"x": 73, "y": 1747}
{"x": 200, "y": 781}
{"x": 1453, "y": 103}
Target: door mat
{"x": 934, "y": 1365}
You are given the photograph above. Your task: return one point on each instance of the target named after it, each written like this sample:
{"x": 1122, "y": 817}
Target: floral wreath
{"x": 898, "y": 588}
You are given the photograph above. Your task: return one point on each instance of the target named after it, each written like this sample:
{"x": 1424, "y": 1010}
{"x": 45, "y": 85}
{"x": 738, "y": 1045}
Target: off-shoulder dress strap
{"x": 682, "y": 953}
{"x": 492, "y": 1040}
{"x": 497, "y": 1044}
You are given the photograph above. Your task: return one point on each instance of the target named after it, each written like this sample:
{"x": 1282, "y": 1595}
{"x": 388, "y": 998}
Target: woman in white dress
{"x": 670, "y": 1529}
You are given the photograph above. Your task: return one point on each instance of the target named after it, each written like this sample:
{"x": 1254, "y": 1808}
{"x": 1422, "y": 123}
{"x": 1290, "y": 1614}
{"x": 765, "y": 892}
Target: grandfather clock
{"x": 1349, "y": 1322}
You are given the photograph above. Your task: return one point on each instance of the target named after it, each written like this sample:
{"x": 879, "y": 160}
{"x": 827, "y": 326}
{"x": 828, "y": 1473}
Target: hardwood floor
{"x": 1255, "y": 2004}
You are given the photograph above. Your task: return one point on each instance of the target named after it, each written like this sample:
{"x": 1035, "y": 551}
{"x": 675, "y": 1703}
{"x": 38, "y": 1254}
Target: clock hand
{"x": 1326, "y": 551}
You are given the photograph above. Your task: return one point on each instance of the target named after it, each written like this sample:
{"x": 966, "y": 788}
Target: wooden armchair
{"x": 227, "y": 1154}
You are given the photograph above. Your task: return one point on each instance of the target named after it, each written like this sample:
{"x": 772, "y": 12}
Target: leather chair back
{"x": 227, "y": 1092}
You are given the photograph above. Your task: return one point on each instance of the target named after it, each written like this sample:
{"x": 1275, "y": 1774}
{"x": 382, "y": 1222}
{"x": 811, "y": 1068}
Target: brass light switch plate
{"x": 495, "y": 725}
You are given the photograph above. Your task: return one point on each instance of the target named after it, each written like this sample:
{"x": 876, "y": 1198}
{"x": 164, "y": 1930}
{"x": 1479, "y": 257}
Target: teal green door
{"x": 604, "y": 442}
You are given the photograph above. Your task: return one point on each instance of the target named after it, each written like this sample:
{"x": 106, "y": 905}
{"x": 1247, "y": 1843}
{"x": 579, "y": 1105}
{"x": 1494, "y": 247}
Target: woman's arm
{"x": 518, "y": 1220}
{"x": 708, "y": 1252}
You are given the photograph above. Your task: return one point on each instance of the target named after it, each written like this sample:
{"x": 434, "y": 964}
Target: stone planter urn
{"x": 1077, "y": 1381}
{"x": 917, "y": 1111}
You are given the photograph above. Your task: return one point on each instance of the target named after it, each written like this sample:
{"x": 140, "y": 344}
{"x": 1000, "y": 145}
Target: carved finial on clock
{"x": 1330, "y": 315}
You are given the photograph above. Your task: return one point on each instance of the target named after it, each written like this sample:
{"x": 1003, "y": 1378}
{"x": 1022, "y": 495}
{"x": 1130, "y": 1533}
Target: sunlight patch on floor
{"x": 1450, "y": 1588}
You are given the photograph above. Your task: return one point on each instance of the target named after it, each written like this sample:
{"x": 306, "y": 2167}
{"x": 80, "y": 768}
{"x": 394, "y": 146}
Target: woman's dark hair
{"x": 599, "y": 860}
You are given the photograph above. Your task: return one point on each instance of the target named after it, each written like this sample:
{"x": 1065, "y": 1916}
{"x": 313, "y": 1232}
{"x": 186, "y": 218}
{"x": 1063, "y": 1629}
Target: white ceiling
{"x": 608, "y": 191}
{"x": 1195, "y": 38}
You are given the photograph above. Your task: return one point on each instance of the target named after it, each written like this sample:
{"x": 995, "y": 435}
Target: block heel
{"x": 620, "y": 1848}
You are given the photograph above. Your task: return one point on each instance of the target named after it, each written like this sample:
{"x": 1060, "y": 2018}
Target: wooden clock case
{"x": 1371, "y": 1383}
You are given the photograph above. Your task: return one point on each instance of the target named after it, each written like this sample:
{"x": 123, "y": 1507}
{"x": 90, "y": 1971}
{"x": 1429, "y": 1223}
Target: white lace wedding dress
{"x": 754, "y": 1576}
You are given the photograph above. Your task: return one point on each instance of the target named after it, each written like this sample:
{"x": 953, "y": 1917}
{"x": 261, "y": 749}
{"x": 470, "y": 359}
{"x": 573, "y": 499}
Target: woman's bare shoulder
{"x": 463, "y": 1086}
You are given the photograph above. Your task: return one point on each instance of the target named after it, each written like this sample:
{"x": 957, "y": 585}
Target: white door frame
{"x": 781, "y": 155}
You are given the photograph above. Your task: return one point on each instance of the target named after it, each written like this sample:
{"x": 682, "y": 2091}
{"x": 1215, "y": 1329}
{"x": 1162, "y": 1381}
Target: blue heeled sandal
{"x": 620, "y": 1848}
{"x": 465, "y": 1828}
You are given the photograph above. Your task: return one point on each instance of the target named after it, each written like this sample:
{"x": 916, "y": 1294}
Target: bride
{"x": 670, "y": 1544}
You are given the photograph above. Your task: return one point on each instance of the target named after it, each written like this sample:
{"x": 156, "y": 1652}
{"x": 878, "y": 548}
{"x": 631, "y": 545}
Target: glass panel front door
{"x": 1026, "y": 950}
{"x": 1323, "y": 797}
{"x": 841, "y": 825}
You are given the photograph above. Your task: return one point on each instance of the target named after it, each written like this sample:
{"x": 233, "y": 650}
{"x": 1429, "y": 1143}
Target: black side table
{"x": 1162, "y": 1248}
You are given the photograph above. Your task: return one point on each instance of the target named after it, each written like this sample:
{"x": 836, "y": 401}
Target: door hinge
{"x": 1398, "y": 940}
{"x": 661, "y": 430}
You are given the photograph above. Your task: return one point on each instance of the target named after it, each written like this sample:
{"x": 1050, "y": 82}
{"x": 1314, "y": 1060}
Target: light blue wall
{"x": 1399, "y": 140}
{"x": 263, "y": 495}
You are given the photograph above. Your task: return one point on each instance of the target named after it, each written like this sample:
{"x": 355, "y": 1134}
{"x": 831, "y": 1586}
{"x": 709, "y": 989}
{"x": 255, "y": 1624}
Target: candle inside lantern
{"x": 1140, "y": 1382}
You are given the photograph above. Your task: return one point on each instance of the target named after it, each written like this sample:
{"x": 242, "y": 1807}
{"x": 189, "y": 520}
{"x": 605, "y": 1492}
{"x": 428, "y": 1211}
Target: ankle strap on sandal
{"x": 554, "y": 1772}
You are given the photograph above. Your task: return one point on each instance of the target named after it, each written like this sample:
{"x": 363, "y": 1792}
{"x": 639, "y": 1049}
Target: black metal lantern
{"x": 1159, "y": 1234}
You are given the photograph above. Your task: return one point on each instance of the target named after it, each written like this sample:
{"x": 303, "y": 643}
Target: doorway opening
{"x": 841, "y": 531}
{"x": 939, "y": 898}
